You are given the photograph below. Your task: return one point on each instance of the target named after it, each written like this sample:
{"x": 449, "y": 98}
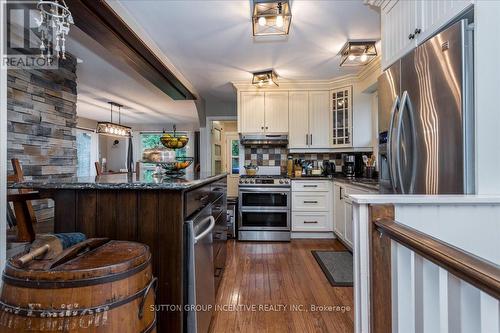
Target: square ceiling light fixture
{"x": 357, "y": 53}
{"x": 271, "y": 18}
{"x": 268, "y": 77}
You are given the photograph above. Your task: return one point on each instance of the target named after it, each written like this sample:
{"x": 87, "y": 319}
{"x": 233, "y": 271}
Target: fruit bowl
{"x": 174, "y": 142}
{"x": 177, "y": 166}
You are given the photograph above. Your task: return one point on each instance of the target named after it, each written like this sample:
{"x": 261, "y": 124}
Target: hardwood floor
{"x": 280, "y": 274}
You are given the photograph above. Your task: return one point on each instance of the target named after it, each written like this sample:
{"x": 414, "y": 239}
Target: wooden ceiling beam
{"x": 98, "y": 20}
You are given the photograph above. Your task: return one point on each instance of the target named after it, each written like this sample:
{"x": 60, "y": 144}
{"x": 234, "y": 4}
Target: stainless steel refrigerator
{"x": 426, "y": 117}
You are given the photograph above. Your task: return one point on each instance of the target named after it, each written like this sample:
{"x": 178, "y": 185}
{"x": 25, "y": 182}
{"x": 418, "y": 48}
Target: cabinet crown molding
{"x": 344, "y": 80}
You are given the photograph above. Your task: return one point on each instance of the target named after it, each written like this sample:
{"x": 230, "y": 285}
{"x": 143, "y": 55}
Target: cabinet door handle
{"x": 310, "y": 185}
{"x": 262, "y": 127}
{"x": 310, "y": 222}
{"x": 307, "y": 139}
{"x": 340, "y": 193}
{"x": 411, "y": 36}
{"x": 267, "y": 127}
{"x": 311, "y": 139}
{"x": 310, "y": 201}
{"x": 417, "y": 31}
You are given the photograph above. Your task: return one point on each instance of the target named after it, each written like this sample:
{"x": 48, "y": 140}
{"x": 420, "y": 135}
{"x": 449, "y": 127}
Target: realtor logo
{"x": 22, "y": 39}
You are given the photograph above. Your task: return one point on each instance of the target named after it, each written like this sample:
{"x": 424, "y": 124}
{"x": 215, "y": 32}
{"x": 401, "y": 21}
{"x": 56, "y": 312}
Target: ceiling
{"x": 211, "y": 43}
{"x": 102, "y": 78}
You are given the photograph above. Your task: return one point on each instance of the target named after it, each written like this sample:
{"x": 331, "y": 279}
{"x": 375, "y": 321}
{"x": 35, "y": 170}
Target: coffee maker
{"x": 349, "y": 166}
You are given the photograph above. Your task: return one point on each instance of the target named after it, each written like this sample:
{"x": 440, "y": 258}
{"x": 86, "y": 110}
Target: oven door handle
{"x": 265, "y": 190}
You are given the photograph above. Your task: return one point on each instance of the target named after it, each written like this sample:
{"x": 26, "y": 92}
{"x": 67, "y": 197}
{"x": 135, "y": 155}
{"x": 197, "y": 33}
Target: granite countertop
{"x": 124, "y": 182}
{"x": 368, "y": 183}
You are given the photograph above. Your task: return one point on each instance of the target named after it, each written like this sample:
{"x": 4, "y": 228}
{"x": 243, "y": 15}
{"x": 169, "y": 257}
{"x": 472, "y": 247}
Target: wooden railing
{"x": 387, "y": 236}
{"x": 476, "y": 271}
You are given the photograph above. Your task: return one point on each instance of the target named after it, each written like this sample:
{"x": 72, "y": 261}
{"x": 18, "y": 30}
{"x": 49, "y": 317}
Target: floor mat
{"x": 337, "y": 266}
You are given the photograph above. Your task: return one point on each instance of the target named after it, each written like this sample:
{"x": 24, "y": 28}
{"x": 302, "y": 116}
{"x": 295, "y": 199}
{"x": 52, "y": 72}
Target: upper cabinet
{"x": 309, "y": 119}
{"x": 298, "y": 121}
{"x": 263, "y": 112}
{"x": 252, "y": 117}
{"x": 319, "y": 116}
{"x": 407, "y": 23}
{"x": 276, "y": 111}
{"x": 342, "y": 117}
{"x": 398, "y": 22}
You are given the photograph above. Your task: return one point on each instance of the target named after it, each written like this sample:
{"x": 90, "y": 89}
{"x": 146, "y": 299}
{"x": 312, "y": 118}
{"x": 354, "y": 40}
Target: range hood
{"x": 264, "y": 139}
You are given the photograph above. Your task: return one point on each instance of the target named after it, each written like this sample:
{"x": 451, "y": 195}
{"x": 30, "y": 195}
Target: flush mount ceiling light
{"x": 261, "y": 79}
{"x": 271, "y": 17}
{"x": 357, "y": 53}
{"x": 112, "y": 129}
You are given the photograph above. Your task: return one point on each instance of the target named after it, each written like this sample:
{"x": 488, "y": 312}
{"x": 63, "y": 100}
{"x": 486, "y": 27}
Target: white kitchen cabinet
{"x": 252, "y": 112}
{"x": 342, "y": 208}
{"x": 311, "y": 221}
{"x": 319, "y": 119}
{"x": 348, "y": 222}
{"x": 264, "y": 112}
{"x": 437, "y": 14}
{"x": 309, "y": 119}
{"x": 338, "y": 210}
{"x": 276, "y": 112}
{"x": 298, "y": 119}
{"x": 341, "y": 117}
{"x": 408, "y": 23}
{"x": 312, "y": 206}
{"x": 311, "y": 201}
{"x": 398, "y": 22}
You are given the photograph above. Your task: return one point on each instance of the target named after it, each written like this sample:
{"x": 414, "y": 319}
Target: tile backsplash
{"x": 266, "y": 156}
{"x": 277, "y": 156}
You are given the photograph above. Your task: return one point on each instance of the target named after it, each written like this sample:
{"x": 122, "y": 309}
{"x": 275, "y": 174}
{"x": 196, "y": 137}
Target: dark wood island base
{"x": 123, "y": 208}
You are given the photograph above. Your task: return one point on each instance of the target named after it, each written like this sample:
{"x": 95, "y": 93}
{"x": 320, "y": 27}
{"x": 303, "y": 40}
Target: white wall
{"x": 116, "y": 154}
{"x": 3, "y": 143}
{"x": 487, "y": 88}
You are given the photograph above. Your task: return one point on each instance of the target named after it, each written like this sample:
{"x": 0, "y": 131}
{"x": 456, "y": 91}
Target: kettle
{"x": 328, "y": 168}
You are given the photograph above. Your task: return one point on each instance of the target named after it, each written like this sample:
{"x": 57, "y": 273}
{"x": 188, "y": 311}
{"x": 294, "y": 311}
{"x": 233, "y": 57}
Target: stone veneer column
{"x": 41, "y": 118}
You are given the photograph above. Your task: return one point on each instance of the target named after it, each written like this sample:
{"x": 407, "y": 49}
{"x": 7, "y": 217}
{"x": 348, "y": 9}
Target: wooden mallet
{"x": 48, "y": 246}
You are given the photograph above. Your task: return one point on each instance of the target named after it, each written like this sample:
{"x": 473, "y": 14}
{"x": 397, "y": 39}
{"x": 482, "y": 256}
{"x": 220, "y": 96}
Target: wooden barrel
{"x": 108, "y": 288}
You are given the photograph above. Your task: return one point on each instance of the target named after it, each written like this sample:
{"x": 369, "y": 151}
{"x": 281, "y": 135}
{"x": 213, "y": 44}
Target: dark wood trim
{"x": 380, "y": 272}
{"x": 98, "y": 20}
{"x": 466, "y": 266}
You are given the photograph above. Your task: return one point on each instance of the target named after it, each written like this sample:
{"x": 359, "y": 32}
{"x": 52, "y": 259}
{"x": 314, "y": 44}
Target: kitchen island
{"x": 143, "y": 208}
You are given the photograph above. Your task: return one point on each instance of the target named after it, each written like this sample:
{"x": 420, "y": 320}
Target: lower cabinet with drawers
{"x": 312, "y": 215}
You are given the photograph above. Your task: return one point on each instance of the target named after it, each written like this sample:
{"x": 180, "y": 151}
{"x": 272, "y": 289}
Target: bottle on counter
{"x": 290, "y": 166}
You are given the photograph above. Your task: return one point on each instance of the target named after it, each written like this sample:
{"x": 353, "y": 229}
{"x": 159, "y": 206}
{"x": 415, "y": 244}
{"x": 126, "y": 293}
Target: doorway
{"x": 225, "y": 150}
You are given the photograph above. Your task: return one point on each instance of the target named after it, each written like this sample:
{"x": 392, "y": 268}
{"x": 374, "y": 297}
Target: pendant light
{"x": 112, "y": 129}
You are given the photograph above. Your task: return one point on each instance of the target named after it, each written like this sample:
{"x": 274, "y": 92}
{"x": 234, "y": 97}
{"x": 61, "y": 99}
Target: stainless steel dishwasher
{"x": 200, "y": 270}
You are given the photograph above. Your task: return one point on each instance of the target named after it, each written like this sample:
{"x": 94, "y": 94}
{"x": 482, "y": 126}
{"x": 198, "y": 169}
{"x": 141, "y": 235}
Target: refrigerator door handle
{"x": 395, "y": 106}
{"x": 406, "y": 105}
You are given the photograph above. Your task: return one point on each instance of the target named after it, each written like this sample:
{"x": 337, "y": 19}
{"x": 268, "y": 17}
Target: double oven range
{"x": 264, "y": 208}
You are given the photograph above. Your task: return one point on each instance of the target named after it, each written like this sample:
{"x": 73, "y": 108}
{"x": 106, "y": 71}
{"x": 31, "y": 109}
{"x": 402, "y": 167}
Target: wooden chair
{"x": 25, "y": 216}
{"x": 98, "y": 168}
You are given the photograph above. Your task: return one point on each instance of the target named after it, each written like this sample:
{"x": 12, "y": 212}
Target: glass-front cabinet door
{"x": 342, "y": 117}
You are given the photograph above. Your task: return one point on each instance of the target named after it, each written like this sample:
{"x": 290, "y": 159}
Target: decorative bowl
{"x": 174, "y": 142}
{"x": 177, "y": 166}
